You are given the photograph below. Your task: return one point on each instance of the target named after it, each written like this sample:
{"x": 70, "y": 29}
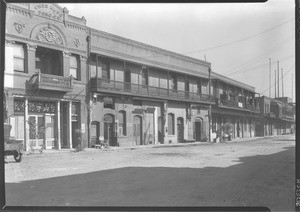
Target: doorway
{"x": 36, "y": 131}
{"x": 238, "y": 129}
{"x": 138, "y": 130}
{"x": 95, "y": 133}
{"x": 198, "y": 129}
{"x": 109, "y": 130}
{"x": 180, "y": 130}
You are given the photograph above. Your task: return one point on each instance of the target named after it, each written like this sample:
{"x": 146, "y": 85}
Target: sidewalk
{"x": 56, "y": 151}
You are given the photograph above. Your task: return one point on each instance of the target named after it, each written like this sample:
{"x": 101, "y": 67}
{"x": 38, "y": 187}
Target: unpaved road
{"x": 249, "y": 173}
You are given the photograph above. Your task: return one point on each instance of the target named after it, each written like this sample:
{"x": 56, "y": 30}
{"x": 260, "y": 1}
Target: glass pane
{"x": 112, "y": 74}
{"x": 73, "y": 72}
{"x": 19, "y": 127}
{"x": 93, "y": 71}
{"x": 18, "y": 51}
{"x": 41, "y": 128}
{"x": 18, "y": 64}
{"x": 73, "y": 61}
{"x": 32, "y": 127}
{"x": 119, "y": 76}
{"x": 49, "y": 127}
{"x": 121, "y": 118}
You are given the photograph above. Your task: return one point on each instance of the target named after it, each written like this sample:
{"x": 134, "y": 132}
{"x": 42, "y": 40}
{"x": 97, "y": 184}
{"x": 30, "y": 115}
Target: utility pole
{"x": 282, "y": 82}
{"x": 278, "y": 78}
{"x": 209, "y": 110}
{"x": 275, "y": 83}
{"x": 292, "y": 88}
{"x": 270, "y": 77}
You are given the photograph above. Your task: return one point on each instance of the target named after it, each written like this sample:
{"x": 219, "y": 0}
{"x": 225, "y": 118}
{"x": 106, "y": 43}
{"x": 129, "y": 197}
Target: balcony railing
{"x": 238, "y": 105}
{"x": 285, "y": 116}
{"x": 41, "y": 81}
{"x": 104, "y": 85}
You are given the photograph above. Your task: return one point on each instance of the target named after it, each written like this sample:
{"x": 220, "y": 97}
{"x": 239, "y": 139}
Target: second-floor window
{"x": 19, "y": 57}
{"x": 74, "y": 67}
{"x": 48, "y": 61}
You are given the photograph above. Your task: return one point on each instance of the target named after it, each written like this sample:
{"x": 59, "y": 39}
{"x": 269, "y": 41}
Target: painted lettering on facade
{"x": 48, "y": 11}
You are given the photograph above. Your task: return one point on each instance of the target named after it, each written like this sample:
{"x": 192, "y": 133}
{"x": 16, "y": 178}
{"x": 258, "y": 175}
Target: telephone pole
{"x": 282, "y": 82}
{"x": 275, "y": 83}
{"x": 278, "y": 78}
{"x": 270, "y": 77}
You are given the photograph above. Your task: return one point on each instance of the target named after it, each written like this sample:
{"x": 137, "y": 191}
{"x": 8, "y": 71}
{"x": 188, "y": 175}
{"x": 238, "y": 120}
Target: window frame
{"x": 123, "y": 125}
{"x": 77, "y": 66}
{"x": 171, "y": 126}
{"x": 19, "y": 58}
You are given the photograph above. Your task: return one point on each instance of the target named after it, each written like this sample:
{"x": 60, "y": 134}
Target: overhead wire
{"x": 267, "y": 89}
{"x": 262, "y": 56}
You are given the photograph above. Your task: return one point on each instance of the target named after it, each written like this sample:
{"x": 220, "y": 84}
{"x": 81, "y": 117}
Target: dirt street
{"x": 248, "y": 173}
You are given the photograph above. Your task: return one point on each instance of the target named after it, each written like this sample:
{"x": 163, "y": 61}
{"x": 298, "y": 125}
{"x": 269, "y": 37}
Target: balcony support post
{"x": 26, "y": 125}
{"x": 58, "y": 124}
{"x": 209, "y": 110}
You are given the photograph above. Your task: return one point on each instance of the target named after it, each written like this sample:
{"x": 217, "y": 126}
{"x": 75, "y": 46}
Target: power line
{"x": 262, "y": 56}
{"x": 240, "y": 40}
{"x": 282, "y": 79}
{"x": 257, "y": 67}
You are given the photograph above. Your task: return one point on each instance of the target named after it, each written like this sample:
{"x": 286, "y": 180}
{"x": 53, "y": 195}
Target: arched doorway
{"x": 180, "y": 130}
{"x": 137, "y": 130}
{"x": 198, "y": 128}
{"x": 109, "y": 130}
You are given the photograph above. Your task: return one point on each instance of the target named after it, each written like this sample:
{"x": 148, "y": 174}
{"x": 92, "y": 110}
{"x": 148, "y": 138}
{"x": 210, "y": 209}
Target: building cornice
{"x": 151, "y": 63}
{"x": 99, "y": 33}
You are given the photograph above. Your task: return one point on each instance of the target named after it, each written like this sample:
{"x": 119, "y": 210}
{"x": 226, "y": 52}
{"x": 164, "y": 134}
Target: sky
{"x": 238, "y": 39}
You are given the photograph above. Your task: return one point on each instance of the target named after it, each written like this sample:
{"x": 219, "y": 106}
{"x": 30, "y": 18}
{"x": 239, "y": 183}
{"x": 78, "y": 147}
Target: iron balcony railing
{"x": 51, "y": 82}
{"x": 238, "y": 105}
{"x": 111, "y": 86}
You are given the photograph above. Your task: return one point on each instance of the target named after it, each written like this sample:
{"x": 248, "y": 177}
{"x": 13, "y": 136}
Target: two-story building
{"x": 235, "y": 105}
{"x": 143, "y": 95}
{"x": 45, "y": 75}
{"x": 277, "y": 116}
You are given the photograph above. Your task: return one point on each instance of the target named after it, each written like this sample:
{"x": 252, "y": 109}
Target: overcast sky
{"x": 237, "y": 38}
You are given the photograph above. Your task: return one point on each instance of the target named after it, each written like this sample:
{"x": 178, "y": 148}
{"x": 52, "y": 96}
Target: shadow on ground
{"x": 266, "y": 180}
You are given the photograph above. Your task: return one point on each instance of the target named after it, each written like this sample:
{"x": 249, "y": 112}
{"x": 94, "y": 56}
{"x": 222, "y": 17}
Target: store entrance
{"x": 41, "y": 131}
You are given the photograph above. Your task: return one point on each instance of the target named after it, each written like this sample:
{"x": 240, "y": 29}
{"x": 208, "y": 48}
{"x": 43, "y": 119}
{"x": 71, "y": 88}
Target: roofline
{"x": 234, "y": 82}
{"x": 137, "y": 43}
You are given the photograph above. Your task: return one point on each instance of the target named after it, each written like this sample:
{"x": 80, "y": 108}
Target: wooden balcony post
{"x": 58, "y": 124}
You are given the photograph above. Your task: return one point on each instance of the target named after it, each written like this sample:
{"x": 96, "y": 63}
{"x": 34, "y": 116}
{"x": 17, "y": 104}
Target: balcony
{"x": 286, "y": 116}
{"x": 237, "y": 105}
{"x": 50, "y": 82}
{"x": 110, "y": 86}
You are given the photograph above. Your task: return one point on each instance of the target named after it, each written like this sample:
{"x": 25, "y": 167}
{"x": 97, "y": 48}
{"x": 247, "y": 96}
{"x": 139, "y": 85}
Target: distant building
{"x": 236, "y": 105}
{"x": 276, "y": 117}
{"x": 65, "y": 81}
